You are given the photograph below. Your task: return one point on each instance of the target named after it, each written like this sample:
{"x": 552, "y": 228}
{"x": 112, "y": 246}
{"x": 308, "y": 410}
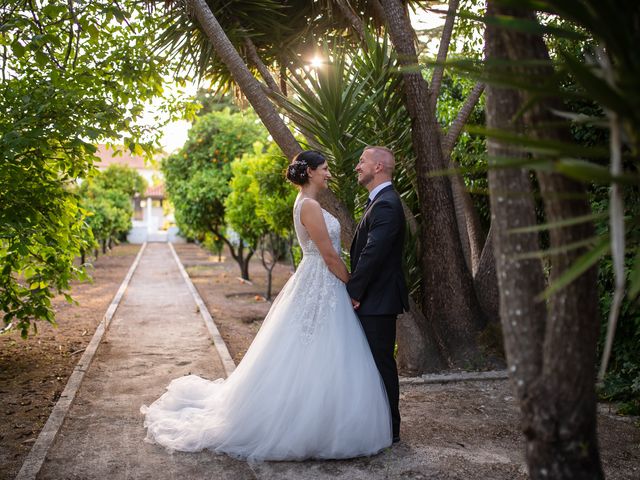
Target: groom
{"x": 377, "y": 286}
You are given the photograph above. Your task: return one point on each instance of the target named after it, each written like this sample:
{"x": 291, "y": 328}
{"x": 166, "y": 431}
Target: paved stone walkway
{"x": 157, "y": 334}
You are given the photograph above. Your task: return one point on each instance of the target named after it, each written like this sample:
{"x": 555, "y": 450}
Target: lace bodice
{"x": 307, "y": 245}
{"x": 313, "y": 274}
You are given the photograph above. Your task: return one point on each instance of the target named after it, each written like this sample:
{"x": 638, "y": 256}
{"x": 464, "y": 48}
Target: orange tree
{"x": 73, "y": 74}
{"x": 197, "y": 176}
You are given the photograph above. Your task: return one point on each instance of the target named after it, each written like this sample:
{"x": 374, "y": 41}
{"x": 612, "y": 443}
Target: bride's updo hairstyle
{"x": 297, "y": 170}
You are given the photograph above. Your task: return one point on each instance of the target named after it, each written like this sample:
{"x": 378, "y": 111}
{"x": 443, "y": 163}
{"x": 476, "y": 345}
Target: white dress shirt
{"x": 373, "y": 193}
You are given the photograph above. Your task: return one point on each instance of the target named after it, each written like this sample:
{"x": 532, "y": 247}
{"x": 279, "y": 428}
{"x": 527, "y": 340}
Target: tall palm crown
{"x": 284, "y": 33}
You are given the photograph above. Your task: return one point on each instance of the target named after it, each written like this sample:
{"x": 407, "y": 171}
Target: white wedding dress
{"x": 306, "y": 388}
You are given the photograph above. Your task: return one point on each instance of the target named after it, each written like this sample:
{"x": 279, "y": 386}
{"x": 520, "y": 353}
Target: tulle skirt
{"x": 306, "y": 388}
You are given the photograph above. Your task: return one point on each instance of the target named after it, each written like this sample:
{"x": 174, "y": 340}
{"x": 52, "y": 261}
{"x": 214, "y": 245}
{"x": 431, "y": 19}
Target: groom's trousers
{"x": 381, "y": 335}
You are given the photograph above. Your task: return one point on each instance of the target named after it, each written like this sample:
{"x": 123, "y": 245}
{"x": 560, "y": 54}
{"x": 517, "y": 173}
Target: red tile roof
{"x": 155, "y": 192}
{"x": 123, "y": 157}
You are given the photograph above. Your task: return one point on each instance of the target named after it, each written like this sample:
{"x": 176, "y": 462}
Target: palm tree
{"x": 455, "y": 333}
{"x": 253, "y": 91}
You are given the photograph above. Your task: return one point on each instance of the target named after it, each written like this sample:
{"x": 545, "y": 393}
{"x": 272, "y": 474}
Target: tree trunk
{"x": 565, "y": 441}
{"x": 104, "y": 246}
{"x": 443, "y": 50}
{"x": 238, "y": 255}
{"x": 244, "y": 265}
{"x": 417, "y": 350}
{"x": 550, "y": 349}
{"x": 268, "y": 266}
{"x": 269, "y": 283}
{"x": 248, "y": 84}
{"x": 468, "y": 223}
{"x": 291, "y": 254}
{"x": 356, "y": 22}
{"x": 253, "y": 56}
{"x": 485, "y": 280}
{"x": 449, "y": 301}
{"x": 469, "y": 227}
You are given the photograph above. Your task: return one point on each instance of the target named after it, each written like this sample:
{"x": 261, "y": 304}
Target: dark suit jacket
{"x": 377, "y": 280}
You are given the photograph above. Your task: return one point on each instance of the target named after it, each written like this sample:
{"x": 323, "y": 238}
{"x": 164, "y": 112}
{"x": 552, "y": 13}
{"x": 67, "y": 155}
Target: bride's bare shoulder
{"x": 310, "y": 209}
{"x": 309, "y": 204}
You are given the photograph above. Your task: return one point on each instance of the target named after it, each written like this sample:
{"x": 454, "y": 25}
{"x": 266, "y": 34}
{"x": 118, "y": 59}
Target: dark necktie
{"x": 368, "y": 202}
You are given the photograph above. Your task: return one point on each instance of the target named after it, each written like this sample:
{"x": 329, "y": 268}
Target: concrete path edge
{"x": 462, "y": 376}
{"x": 218, "y": 342}
{"x": 32, "y": 464}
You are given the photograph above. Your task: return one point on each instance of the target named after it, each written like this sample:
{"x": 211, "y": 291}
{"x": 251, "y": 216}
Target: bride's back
{"x": 307, "y": 245}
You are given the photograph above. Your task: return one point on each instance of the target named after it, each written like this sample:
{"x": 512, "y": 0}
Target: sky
{"x": 175, "y": 134}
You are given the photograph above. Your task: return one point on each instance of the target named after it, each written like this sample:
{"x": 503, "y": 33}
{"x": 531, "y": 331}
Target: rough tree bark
{"x": 356, "y": 22}
{"x": 237, "y": 253}
{"x": 416, "y": 357}
{"x": 485, "y": 280}
{"x": 252, "y": 55}
{"x": 450, "y": 305}
{"x": 550, "y": 348}
{"x": 443, "y": 51}
{"x": 268, "y": 265}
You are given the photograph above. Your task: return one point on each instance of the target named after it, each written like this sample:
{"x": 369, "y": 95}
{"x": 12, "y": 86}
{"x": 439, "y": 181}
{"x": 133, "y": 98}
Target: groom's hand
{"x": 355, "y": 303}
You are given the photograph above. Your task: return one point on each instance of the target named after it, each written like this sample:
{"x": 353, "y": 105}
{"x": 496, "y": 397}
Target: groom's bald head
{"x": 375, "y": 166}
{"x": 384, "y": 156}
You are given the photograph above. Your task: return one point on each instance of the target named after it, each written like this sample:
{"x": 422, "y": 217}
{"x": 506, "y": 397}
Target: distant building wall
{"x": 148, "y": 212}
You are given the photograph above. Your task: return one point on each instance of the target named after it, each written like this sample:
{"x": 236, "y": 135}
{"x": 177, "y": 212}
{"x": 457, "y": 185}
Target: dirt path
{"x": 453, "y": 431}
{"x": 465, "y": 430}
{"x": 156, "y": 335}
{"x": 33, "y": 372}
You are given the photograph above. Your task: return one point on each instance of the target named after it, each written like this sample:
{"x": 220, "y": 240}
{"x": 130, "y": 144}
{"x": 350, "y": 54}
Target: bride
{"x": 308, "y": 386}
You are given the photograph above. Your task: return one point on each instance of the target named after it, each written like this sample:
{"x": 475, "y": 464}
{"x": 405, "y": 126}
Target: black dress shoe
{"x": 396, "y": 439}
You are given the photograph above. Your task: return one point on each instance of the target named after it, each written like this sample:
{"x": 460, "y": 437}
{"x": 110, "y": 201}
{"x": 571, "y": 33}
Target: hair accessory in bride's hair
{"x": 302, "y": 168}
{"x": 297, "y": 170}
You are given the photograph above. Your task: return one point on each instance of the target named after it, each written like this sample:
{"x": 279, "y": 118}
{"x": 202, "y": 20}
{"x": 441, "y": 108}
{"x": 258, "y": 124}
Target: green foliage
{"x": 213, "y": 243}
{"x": 73, "y": 73}
{"x": 197, "y": 177}
{"x": 214, "y": 102}
{"x": 107, "y": 197}
{"x": 275, "y": 196}
{"x": 283, "y": 32}
{"x": 242, "y": 203}
{"x": 622, "y": 382}
{"x": 355, "y": 100}
{"x": 260, "y": 204}
{"x": 468, "y": 32}
{"x": 121, "y": 178}
{"x": 469, "y": 152}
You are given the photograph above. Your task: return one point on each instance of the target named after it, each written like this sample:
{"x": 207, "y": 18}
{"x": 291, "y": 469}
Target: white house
{"x": 149, "y": 219}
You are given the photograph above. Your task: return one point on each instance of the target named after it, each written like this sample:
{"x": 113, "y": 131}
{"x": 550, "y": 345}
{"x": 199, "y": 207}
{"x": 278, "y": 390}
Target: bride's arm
{"x": 313, "y": 220}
